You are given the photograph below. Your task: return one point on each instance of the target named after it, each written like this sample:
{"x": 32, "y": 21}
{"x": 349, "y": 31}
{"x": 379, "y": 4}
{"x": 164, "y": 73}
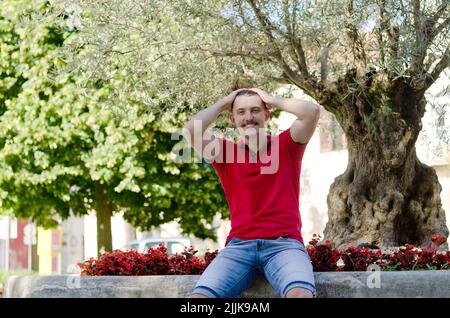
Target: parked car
{"x": 174, "y": 244}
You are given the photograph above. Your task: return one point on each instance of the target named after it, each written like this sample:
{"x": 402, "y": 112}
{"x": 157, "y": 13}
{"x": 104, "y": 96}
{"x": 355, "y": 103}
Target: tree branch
{"x": 302, "y": 80}
{"x": 392, "y": 32}
{"x": 268, "y": 27}
{"x": 439, "y": 12}
{"x": 290, "y": 33}
{"x": 324, "y": 65}
{"x": 295, "y": 43}
{"x": 440, "y": 66}
{"x": 425, "y": 34}
{"x": 256, "y": 57}
{"x": 357, "y": 46}
{"x": 439, "y": 28}
{"x": 416, "y": 17}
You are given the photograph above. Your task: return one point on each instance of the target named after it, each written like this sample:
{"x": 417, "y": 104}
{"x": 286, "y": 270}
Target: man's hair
{"x": 245, "y": 92}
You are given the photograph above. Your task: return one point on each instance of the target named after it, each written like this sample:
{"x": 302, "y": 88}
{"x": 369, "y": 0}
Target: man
{"x": 261, "y": 178}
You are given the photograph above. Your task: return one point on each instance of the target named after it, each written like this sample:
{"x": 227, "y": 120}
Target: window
{"x": 176, "y": 247}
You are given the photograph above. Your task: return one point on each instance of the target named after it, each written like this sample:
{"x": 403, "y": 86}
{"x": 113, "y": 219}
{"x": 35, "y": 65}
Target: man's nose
{"x": 248, "y": 116}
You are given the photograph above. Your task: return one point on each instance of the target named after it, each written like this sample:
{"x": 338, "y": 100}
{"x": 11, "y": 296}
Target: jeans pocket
{"x": 292, "y": 240}
{"x": 285, "y": 239}
{"x": 233, "y": 240}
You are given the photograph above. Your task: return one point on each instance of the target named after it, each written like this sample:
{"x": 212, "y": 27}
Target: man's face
{"x": 249, "y": 114}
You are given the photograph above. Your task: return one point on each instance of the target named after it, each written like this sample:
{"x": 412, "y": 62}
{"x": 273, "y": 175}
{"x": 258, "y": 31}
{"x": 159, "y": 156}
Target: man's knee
{"x": 298, "y": 292}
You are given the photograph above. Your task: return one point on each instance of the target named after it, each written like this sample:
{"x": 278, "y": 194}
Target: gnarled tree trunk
{"x": 386, "y": 194}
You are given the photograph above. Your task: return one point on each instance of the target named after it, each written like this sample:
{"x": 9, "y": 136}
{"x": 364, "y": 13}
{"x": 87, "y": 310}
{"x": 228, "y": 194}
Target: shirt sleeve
{"x": 295, "y": 149}
{"x": 219, "y": 162}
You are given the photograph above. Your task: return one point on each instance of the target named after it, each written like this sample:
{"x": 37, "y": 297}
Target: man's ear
{"x": 231, "y": 119}
{"x": 267, "y": 115}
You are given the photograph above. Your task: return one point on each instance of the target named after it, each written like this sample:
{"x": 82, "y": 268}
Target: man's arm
{"x": 195, "y": 130}
{"x": 307, "y": 114}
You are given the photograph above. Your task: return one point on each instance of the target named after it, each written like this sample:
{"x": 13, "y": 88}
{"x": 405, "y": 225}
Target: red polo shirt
{"x": 263, "y": 190}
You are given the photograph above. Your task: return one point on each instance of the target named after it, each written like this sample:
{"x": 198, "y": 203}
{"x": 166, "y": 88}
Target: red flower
{"x": 438, "y": 239}
{"x": 210, "y": 256}
{"x": 323, "y": 256}
{"x": 359, "y": 258}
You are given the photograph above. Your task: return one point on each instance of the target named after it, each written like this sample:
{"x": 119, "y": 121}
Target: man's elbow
{"x": 315, "y": 109}
{"x": 311, "y": 113}
{"x": 316, "y": 112}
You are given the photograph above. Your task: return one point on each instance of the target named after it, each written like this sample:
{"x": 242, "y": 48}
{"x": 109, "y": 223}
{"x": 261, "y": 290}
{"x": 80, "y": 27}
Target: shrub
{"x": 359, "y": 258}
{"x": 409, "y": 257}
{"x": 324, "y": 258}
{"x": 155, "y": 262}
{"x": 187, "y": 263}
{"x": 122, "y": 263}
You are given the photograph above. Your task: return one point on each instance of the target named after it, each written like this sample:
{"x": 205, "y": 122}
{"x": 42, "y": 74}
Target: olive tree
{"x": 367, "y": 62}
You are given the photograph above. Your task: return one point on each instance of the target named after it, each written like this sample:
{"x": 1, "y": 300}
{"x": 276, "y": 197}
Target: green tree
{"x": 64, "y": 150}
{"x": 368, "y": 62}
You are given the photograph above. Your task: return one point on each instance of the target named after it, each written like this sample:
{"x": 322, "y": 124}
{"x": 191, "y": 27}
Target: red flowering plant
{"x": 404, "y": 258}
{"x": 359, "y": 258}
{"x": 210, "y": 256}
{"x": 409, "y": 257}
{"x": 187, "y": 263}
{"x": 158, "y": 262}
{"x": 438, "y": 240}
{"x": 324, "y": 257}
{"x": 155, "y": 262}
{"x": 116, "y": 263}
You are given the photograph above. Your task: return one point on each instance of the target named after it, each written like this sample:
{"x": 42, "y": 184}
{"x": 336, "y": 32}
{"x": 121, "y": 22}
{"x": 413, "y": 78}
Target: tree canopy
{"x": 196, "y": 48}
{"x": 65, "y": 149}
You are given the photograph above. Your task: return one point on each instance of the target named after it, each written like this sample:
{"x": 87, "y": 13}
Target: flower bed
{"x": 324, "y": 257}
{"x": 155, "y": 262}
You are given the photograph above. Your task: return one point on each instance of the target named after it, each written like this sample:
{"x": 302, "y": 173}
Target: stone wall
{"x": 329, "y": 285}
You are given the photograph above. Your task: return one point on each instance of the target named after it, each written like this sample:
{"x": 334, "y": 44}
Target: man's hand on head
{"x": 270, "y": 101}
{"x": 229, "y": 99}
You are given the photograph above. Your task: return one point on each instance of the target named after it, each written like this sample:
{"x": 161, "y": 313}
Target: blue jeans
{"x": 283, "y": 261}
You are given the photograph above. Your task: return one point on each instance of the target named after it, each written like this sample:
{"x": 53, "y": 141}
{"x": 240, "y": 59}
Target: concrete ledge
{"x": 329, "y": 285}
